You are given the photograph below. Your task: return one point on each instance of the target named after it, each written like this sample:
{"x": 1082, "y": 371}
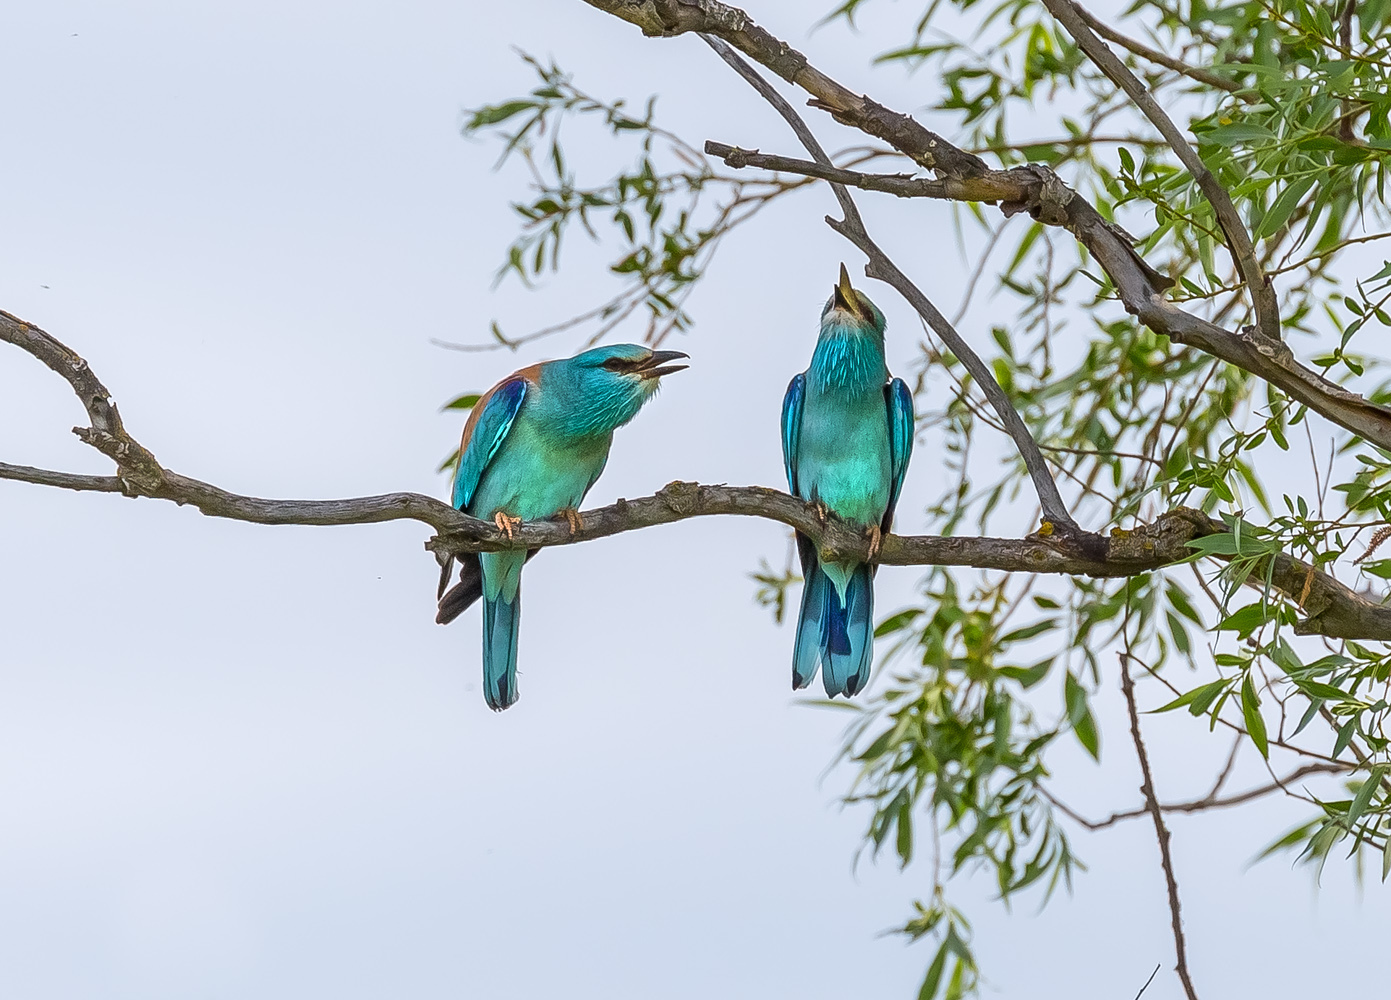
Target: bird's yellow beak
{"x": 845, "y": 297}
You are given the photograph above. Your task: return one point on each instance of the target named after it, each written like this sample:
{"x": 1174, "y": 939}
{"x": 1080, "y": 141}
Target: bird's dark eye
{"x": 618, "y": 364}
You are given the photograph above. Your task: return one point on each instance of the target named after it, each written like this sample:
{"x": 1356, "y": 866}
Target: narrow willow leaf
{"x": 1251, "y": 712}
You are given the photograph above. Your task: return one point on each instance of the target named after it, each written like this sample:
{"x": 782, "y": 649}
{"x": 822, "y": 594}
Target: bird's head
{"x": 611, "y": 383}
{"x": 850, "y": 311}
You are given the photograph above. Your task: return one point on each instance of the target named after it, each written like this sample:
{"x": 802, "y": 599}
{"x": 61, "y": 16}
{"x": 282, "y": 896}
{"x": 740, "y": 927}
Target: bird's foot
{"x": 876, "y": 539}
{"x": 823, "y": 513}
{"x": 507, "y": 524}
{"x": 573, "y": 518}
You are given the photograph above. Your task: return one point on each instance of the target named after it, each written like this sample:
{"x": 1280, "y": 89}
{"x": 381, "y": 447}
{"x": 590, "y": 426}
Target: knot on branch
{"x": 1066, "y": 538}
{"x": 1164, "y": 540}
{"x": 732, "y": 155}
{"x": 680, "y": 497}
{"x": 1047, "y": 196}
{"x": 1280, "y": 353}
{"x": 135, "y": 466}
{"x": 668, "y": 18}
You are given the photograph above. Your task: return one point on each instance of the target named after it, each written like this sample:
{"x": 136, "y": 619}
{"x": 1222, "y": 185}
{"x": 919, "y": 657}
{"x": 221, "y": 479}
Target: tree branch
{"x": 1155, "y": 56}
{"x": 1332, "y": 609}
{"x": 1263, "y": 297}
{"x": 1209, "y": 801}
{"x": 1161, "y": 831}
{"x": 1055, "y": 512}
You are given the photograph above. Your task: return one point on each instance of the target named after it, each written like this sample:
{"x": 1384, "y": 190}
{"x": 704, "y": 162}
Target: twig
{"x": 1147, "y": 982}
{"x": 1161, "y": 831}
{"x": 1345, "y": 131}
{"x": 1209, "y": 801}
{"x": 1226, "y": 771}
{"x": 1155, "y": 56}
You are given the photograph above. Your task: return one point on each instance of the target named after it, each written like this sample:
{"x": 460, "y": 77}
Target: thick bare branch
{"x": 107, "y": 434}
{"x": 1332, "y": 609}
{"x": 1263, "y": 296}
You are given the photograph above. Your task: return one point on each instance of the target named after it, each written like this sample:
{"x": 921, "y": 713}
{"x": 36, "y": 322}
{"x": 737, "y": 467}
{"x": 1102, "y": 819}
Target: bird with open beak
{"x": 847, "y": 433}
{"x": 532, "y": 447}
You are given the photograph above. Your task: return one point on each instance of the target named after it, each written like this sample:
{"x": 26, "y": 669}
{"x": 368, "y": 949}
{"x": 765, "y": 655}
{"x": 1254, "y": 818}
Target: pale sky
{"x": 243, "y": 762}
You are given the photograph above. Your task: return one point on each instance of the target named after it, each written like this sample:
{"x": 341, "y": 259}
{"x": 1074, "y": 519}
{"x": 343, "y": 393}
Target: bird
{"x": 847, "y": 435}
{"x": 532, "y": 447}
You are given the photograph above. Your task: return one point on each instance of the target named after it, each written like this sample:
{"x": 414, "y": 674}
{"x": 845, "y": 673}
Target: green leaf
{"x": 904, "y": 843}
{"x": 465, "y": 402}
{"x": 1029, "y": 631}
{"x": 1028, "y": 676}
{"x": 1251, "y": 712}
{"x": 1378, "y": 567}
{"x": 1080, "y": 716}
{"x": 1364, "y": 795}
{"x": 1344, "y": 737}
{"x": 1246, "y": 620}
{"x": 897, "y": 622}
{"x": 1283, "y": 207}
{"x": 1202, "y": 695}
{"x": 1237, "y": 133}
{"x": 495, "y": 113}
{"x": 934, "y": 975}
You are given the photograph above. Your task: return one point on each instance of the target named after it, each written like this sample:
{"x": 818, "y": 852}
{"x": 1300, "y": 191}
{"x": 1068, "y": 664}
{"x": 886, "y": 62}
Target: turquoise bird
{"x": 847, "y": 433}
{"x": 532, "y": 447}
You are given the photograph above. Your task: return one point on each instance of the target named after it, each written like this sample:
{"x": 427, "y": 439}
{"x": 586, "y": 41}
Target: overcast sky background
{"x": 243, "y": 762}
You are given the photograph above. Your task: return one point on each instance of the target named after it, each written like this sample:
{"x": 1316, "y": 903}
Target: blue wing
{"x": 494, "y": 421}
{"x": 792, "y": 428}
{"x": 899, "y": 402}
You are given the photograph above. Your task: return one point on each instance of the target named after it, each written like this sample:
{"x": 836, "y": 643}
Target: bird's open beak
{"x": 844, "y": 294}
{"x": 656, "y": 366}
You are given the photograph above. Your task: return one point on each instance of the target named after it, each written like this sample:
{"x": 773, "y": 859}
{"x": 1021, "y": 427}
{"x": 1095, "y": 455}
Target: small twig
{"x": 1161, "y": 831}
{"x": 1209, "y": 801}
{"x": 1155, "y": 56}
{"x": 1147, "y": 982}
{"x": 1345, "y": 132}
{"x": 1226, "y": 771}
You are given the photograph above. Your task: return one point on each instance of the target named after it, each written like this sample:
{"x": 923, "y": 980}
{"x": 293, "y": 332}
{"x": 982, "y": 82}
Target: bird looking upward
{"x": 532, "y": 447}
{"x": 847, "y": 432}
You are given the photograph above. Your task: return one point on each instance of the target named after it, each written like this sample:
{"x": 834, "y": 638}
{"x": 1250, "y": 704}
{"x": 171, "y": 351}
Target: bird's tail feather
{"x": 848, "y": 635}
{"x": 806, "y": 654}
{"x": 500, "y": 619}
{"x": 838, "y": 636}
